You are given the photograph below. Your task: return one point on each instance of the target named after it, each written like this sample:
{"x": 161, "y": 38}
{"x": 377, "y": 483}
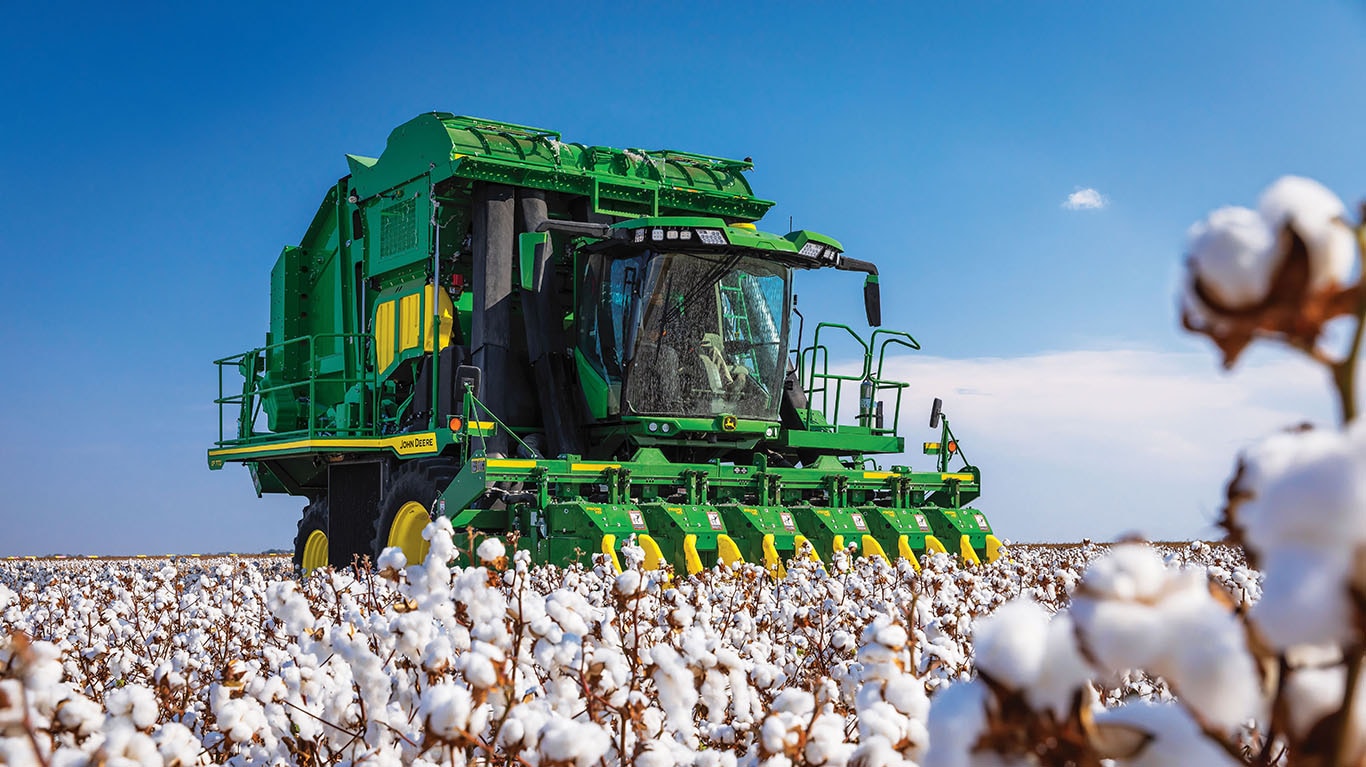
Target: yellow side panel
{"x": 384, "y": 334}
{"x": 409, "y": 321}
{"x": 447, "y": 319}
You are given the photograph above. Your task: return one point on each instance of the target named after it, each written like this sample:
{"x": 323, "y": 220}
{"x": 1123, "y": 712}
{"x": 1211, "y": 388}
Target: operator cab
{"x": 693, "y": 334}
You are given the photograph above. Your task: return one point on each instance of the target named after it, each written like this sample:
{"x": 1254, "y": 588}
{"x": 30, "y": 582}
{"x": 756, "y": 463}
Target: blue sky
{"x": 155, "y": 162}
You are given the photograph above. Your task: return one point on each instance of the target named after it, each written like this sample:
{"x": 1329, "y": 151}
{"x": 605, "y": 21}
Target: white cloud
{"x": 1085, "y": 199}
{"x": 1097, "y": 443}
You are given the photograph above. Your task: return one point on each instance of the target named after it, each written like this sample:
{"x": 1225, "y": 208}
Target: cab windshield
{"x": 689, "y": 334}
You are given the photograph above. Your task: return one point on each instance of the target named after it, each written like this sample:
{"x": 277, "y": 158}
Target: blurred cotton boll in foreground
{"x": 1281, "y": 271}
{"x": 1298, "y": 505}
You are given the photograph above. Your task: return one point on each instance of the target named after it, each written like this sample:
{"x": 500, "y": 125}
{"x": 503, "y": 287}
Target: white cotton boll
{"x": 907, "y": 694}
{"x": 6, "y": 597}
{"x": 876, "y": 752}
{"x": 1304, "y": 596}
{"x": 565, "y": 740}
{"x": 1010, "y": 644}
{"x": 880, "y": 719}
{"x": 491, "y": 550}
{"x": 799, "y": 703}
{"x": 1311, "y": 694}
{"x": 1177, "y": 740}
{"x": 124, "y": 745}
{"x": 1233, "y": 254}
{"x": 1130, "y": 571}
{"x": 1122, "y": 634}
{"x": 392, "y": 558}
{"x": 135, "y": 703}
{"x": 177, "y": 745}
{"x": 773, "y": 735}
{"x": 1319, "y": 218}
{"x": 446, "y": 709}
{"x": 478, "y": 667}
{"x": 1306, "y": 487}
{"x": 891, "y": 635}
{"x": 77, "y": 713}
{"x": 1063, "y": 672}
{"x": 629, "y": 583}
{"x": 957, "y": 720}
{"x": 1213, "y": 671}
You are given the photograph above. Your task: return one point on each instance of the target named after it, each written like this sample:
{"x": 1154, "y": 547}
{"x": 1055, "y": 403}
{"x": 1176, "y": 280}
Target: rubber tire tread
{"x": 314, "y": 518}
{"x": 415, "y": 480}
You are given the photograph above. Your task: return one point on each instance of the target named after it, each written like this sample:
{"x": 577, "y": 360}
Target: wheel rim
{"x": 315, "y": 551}
{"x": 406, "y": 531}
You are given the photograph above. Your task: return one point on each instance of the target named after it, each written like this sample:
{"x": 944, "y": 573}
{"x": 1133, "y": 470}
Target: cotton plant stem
{"x": 1344, "y": 375}
{"x": 1345, "y": 371}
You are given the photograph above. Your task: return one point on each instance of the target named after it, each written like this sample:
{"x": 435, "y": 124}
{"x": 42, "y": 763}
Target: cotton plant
{"x": 1230, "y": 665}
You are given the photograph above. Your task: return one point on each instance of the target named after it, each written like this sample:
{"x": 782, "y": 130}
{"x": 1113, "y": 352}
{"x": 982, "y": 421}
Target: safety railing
{"x": 817, "y": 379}
{"x": 251, "y": 365}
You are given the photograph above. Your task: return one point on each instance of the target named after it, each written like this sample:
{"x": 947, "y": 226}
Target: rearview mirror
{"x": 934, "y": 413}
{"x": 528, "y": 249}
{"x": 872, "y": 301}
{"x": 468, "y": 375}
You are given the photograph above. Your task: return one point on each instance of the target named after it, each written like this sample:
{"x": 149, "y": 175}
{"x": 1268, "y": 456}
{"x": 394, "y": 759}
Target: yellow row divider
{"x": 772, "y": 562}
{"x": 691, "y": 560}
{"x": 903, "y": 547}
{"x": 727, "y": 551}
{"x": 965, "y": 548}
{"x": 932, "y": 544}
{"x": 798, "y": 541}
{"x": 609, "y": 547}
{"x": 994, "y": 548}
{"x": 654, "y": 558}
{"x": 871, "y": 548}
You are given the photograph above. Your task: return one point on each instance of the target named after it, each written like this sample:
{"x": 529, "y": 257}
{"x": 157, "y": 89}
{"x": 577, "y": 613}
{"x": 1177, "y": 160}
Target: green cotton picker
{"x": 576, "y": 347}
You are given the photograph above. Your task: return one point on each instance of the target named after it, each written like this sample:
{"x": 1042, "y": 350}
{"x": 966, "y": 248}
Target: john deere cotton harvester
{"x": 584, "y": 346}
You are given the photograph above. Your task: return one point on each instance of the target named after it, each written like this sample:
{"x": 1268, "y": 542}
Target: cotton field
{"x": 497, "y": 662}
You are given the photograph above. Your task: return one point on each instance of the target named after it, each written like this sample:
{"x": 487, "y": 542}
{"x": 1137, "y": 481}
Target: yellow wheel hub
{"x": 315, "y": 551}
{"x": 406, "y": 531}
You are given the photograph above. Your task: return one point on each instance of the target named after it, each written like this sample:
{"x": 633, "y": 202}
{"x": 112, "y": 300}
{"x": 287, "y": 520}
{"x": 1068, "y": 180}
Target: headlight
{"x": 640, "y": 235}
{"x": 812, "y": 249}
{"x": 711, "y": 236}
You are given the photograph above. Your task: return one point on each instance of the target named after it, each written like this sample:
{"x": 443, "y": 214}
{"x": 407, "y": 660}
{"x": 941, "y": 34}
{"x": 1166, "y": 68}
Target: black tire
{"x": 417, "y": 480}
{"x": 314, "y": 519}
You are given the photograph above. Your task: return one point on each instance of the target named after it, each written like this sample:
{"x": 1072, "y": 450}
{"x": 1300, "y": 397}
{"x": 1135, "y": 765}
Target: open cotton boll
{"x": 134, "y": 702}
{"x": 565, "y": 740}
{"x": 957, "y": 720}
{"x": 1233, "y": 255}
{"x": 1319, "y": 218}
{"x": 1305, "y": 597}
{"x": 446, "y": 709}
{"x": 1304, "y": 487}
{"x": 1175, "y": 738}
{"x": 491, "y": 550}
{"x": 392, "y": 558}
{"x": 1010, "y": 644}
{"x": 1063, "y": 671}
